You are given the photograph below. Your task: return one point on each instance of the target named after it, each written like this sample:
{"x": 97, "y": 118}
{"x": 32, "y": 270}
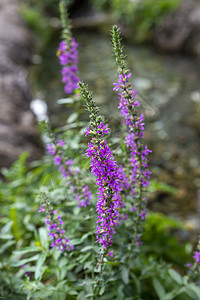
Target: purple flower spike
{"x": 54, "y": 224}
{"x": 68, "y": 56}
{"x": 108, "y": 179}
{"x": 197, "y": 256}
{"x": 82, "y": 193}
{"x": 135, "y": 180}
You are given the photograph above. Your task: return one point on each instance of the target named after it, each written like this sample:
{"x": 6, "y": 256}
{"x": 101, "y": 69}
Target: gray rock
{"x": 181, "y": 29}
{"x": 18, "y": 126}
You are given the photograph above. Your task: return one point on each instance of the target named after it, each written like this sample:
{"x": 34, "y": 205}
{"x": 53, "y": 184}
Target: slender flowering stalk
{"x": 70, "y": 173}
{"x": 82, "y": 192}
{"x": 136, "y": 178}
{"x": 67, "y": 53}
{"x": 194, "y": 268}
{"x": 54, "y": 225}
{"x": 105, "y": 169}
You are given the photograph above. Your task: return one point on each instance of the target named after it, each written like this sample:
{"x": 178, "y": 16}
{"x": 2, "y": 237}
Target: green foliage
{"x": 46, "y": 7}
{"x": 139, "y": 16}
{"x": 25, "y": 247}
{"x": 162, "y": 238}
{"x": 38, "y": 22}
{"x": 161, "y": 187}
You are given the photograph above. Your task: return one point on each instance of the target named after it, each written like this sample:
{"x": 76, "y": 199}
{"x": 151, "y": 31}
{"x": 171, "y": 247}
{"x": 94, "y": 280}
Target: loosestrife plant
{"x": 106, "y": 171}
{"x": 135, "y": 171}
{"x": 68, "y": 54}
{"x": 54, "y": 225}
{"x": 116, "y": 183}
{"x": 80, "y": 190}
{"x": 114, "y": 198}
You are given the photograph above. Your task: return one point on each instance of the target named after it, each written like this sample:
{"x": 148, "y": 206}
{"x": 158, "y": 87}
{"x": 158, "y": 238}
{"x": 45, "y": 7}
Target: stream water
{"x": 169, "y": 88}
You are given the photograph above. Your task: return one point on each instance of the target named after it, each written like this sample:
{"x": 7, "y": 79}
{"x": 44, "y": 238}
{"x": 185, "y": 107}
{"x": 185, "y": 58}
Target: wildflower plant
{"x": 54, "y": 224}
{"x": 135, "y": 170}
{"x": 106, "y": 171}
{"x": 69, "y": 172}
{"x": 83, "y": 237}
{"x": 67, "y": 53}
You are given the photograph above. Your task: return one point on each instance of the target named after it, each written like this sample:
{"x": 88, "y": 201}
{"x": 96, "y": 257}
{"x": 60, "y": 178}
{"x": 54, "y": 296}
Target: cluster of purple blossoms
{"x": 68, "y": 56}
{"x": 54, "y": 224}
{"x": 105, "y": 169}
{"x": 197, "y": 256}
{"x": 136, "y": 181}
{"x": 193, "y": 267}
{"x": 83, "y": 194}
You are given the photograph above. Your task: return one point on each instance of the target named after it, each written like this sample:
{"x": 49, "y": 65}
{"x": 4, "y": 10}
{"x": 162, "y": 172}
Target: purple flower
{"x": 108, "y": 179}
{"x": 84, "y": 197}
{"x": 111, "y": 254}
{"x": 139, "y": 242}
{"x": 60, "y": 143}
{"x": 83, "y": 194}
{"x": 87, "y": 131}
{"x": 41, "y": 208}
{"x": 136, "y": 179}
{"x": 121, "y": 81}
{"x": 143, "y": 214}
{"x": 57, "y": 160}
{"x": 197, "y": 256}
{"x": 102, "y": 129}
{"x": 54, "y": 224}
{"x": 133, "y": 208}
{"x": 51, "y": 149}
{"x": 68, "y": 56}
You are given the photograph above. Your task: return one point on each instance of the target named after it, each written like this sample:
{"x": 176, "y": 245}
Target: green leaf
{"x": 44, "y": 293}
{"x": 75, "y": 242}
{"x": 6, "y": 236}
{"x": 137, "y": 282}
{"x": 82, "y": 258}
{"x": 193, "y": 291}
{"x": 81, "y": 296}
{"x": 176, "y": 276}
{"x": 159, "y": 288}
{"x": 26, "y": 250}
{"x": 39, "y": 266}
{"x": 66, "y": 101}
{"x": 87, "y": 248}
{"x": 25, "y": 261}
{"x": 102, "y": 290}
{"x": 6, "y": 246}
{"x": 72, "y": 118}
{"x": 125, "y": 275}
{"x": 44, "y": 239}
{"x": 7, "y": 227}
{"x": 72, "y": 292}
{"x": 174, "y": 293}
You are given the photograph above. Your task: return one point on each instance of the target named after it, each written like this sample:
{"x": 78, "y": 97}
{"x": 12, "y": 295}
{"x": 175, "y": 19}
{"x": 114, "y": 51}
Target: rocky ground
{"x": 18, "y": 128}
{"x": 181, "y": 29}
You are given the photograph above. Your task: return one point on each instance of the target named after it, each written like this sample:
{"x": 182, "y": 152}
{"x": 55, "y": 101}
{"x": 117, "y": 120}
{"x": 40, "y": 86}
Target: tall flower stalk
{"x": 81, "y": 191}
{"x": 67, "y": 53}
{"x": 72, "y": 174}
{"x": 194, "y": 267}
{"x": 105, "y": 169}
{"x": 54, "y": 225}
{"x": 135, "y": 178}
